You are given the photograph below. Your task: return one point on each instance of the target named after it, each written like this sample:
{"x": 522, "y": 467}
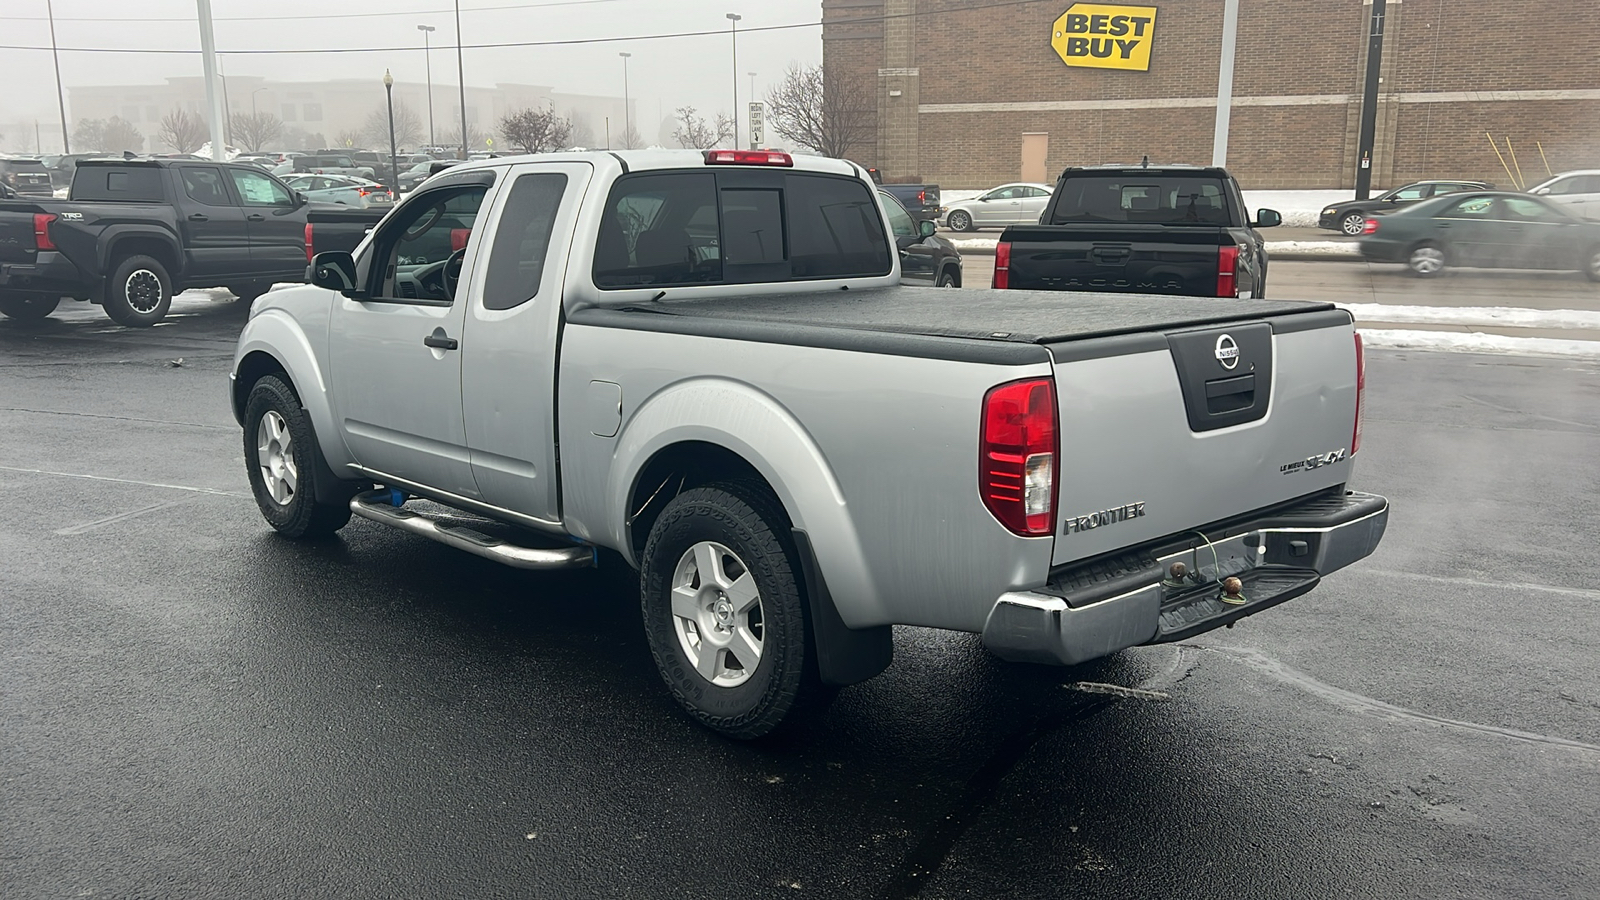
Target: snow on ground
{"x": 1477, "y": 342}
{"x": 1476, "y": 317}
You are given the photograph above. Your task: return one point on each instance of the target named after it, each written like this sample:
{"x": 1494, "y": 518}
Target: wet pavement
{"x": 193, "y": 707}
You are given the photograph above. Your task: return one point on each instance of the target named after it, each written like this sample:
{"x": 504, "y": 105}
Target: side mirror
{"x": 1391, "y": 199}
{"x": 1268, "y": 218}
{"x": 926, "y": 228}
{"x": 334, "y": 270}
{"x": 300, "y": 200}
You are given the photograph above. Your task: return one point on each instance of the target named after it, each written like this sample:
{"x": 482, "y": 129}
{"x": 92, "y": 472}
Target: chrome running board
{"x": 376, "y": 506}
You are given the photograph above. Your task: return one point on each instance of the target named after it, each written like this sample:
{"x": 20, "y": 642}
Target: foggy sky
{"x": 662, "y": 74}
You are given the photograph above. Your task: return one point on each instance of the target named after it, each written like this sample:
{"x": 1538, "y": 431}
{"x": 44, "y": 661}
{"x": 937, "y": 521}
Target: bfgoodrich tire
{"x": 281, "y": 458}
{"x": 138, "y": 293}
{"x": 724, "y": 612}
{"x": 27, "y": 307}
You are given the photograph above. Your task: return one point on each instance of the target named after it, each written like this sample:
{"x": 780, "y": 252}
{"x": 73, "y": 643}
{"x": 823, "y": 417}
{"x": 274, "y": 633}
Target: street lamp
{"x": 61, "y": 97}
{"x": 427, "y": 55}
{"x": 253, "y": 100}
{"x": 734, "y": 18}
{"x": 627, "y": 115}
{"x": 388, "y": 88}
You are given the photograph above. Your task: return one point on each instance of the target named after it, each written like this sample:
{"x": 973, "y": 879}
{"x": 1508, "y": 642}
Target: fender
{"x": 752, "y": 424}
{"x": 275, "y": 332}
{"x": 114, "y": 234}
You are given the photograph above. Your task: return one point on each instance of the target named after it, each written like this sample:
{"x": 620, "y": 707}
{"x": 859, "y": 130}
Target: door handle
{"x": 257, "y": 217}
{"x": 199, "y": 217}
{"x": 441, "y": 341}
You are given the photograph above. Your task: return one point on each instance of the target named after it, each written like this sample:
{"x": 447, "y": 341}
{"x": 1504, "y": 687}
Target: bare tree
{"x": 254, "y": 130}
{"x": 408, "y": 131}
{"x": 582, "y": 132}
{"x": 183, "y": 132}
{"x": 630, "y": 139}
{"x": 536, "y": 130}
{"x": 348, "y": 138}
{"x": 693, "y": 131}
{"x": 830, "y": 115}
{"x": 112, "y": 135}
{"x": 476, "y": 139}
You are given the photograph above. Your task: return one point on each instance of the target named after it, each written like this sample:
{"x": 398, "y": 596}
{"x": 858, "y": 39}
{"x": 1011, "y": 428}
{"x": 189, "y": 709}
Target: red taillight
{"x": 363, "y": 191}
{"x": 308, "y": 242}
{"x": 922, "y": 198}
{"x": 1361, "y": 392}
{"x": 1002, "y": 265}
{"x": 458, "y": 238}
{"x": 1228, "y": 271}
{"x": 1370, "y": 226}
{"x": 41, "y": 231}
{"x": 1017, "y": 455}
{"x": 748, "y": 158}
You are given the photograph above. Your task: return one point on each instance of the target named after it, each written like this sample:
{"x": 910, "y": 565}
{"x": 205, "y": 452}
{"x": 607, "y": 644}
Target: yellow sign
{"x": 1105, "y": 37}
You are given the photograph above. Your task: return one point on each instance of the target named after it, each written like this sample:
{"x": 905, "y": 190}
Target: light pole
{"x": 461, "y": 76}
{"x": 427, "y": 56}
{"x": 734, "y": 18}
{"x": 627, "y": 114}
{"x": 61, "y": 99}
{"x": 388, "y": 88}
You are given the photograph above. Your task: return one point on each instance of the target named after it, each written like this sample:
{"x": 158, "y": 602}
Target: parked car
{"x": 1576, "y": 192}
{"x": 28, "y": 177}
{"x": 62, "y": 166}
{"x": 1351, "y": 215}
{"x": 920, "y": 200}
{"x": 704, "y": 363}
{"x": 1489, "y": 229}
{"x": 1140, "y": 230}
{"x": 341, "y": 190}
{"x": 420, "y": 172}
{"x": 925, "y": 258}
{"x": 134, "y": 233}
{"x": 323, "y": 164}
{"x": 1008, "y": 204}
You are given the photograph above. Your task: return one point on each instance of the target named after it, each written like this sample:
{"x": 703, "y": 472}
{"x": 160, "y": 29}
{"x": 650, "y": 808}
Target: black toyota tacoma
{"x": 135, "y": 232}
{"x": 1142, "y": 230}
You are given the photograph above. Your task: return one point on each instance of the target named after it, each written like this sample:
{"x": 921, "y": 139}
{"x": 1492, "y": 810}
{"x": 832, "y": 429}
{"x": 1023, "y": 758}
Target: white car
{"x": 342, "y": 189}
{"x": 1009, "y": 204}
{"x": 1578, "y": 192}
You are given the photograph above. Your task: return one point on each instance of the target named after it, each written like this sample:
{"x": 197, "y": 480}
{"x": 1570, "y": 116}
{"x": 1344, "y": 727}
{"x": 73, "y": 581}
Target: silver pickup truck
{"x": 702, "y": 363}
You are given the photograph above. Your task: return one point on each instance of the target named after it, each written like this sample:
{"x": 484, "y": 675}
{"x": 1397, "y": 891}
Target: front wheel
{"x": 947, "y": 278}
{"x": 280, "y": 459}
{"x": 1353, "y": 224}
{"x": 28, "y": 307}
{"x": 960, "y": 220}
{"x": 723, "y": 610}
{"x": 138, "y": 293}
{"x": 1426, "y": 260}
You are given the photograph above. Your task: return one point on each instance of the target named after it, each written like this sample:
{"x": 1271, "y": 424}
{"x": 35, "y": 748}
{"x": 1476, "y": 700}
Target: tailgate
{"x": 16, "y": 232}
{"x": 1141, "y": 259}
{"x": 1189, "y": 427}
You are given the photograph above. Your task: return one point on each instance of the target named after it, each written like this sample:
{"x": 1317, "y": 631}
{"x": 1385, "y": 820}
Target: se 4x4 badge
{"x": 1313, "y": 462}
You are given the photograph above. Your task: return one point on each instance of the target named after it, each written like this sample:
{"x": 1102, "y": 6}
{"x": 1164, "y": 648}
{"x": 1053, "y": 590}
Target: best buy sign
{"x": 1105, "y": 37}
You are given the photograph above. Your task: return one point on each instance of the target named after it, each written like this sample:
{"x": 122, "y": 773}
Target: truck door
{"x": 277, "y": 228}
{"x": 214, "y": 230}
{"x": 395, "y": 355}
{"x": 508, "y": 364}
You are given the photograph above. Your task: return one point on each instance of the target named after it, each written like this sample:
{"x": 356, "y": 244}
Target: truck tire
{"x": 281, "y": 458}
{"x": 724, "y": 612}
{"x": 139, "y": 292}
{"x": 27, "y": 307}
{"x": 960, "y": 220}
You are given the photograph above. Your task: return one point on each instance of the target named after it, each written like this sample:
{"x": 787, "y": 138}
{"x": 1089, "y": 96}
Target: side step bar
{"x": 376, "y": 505}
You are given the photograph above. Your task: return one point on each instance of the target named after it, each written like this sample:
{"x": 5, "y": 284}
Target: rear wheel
{"x": 28, "y": 307}
{"x": 281, "y": 458}
{"x": 138, "y": 293}
{"x": 1591, "y": 265}
{"x": 1426, "y": 260}
{"x": 723, "y": 610}
{"x": 1353, "y": 223}
{"x": 960, "y": 220}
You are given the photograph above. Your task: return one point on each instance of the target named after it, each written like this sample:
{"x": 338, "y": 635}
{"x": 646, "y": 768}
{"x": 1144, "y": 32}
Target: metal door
{"x": 277, "y": 229}
{"x": 214, "y": 230}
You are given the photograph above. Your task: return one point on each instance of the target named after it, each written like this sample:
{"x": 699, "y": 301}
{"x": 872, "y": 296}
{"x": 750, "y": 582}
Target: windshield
{"x": 1137, "y": 198}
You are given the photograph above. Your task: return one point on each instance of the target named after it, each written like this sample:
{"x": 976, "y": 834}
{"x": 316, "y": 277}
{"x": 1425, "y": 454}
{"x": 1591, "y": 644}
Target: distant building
{"x": 969, "y": 94}
{"x": 329, "y": 108}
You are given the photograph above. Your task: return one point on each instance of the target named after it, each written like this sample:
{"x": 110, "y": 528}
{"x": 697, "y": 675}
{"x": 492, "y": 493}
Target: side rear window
{"x": 738, "y": 227}
{"x": 516, "y": 261}
{"x": 140, "y": 184}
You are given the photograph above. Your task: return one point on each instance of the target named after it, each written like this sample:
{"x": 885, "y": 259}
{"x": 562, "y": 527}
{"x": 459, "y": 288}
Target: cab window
{"x": 1414, "y": 192}
{"x": 204, "y": 185}
{"x": 1522, "y": 209}
{"x": 521, "y": 240}
{"x": 256, "y": 189}
{"x": 1470, "y": 208}
{"x": 899, "y": 220}
{"x": 419, "y": 250}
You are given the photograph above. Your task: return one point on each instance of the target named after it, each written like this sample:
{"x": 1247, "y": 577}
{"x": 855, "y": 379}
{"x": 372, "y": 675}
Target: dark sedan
{"x": 1351, "y": 215}
{"x": 925, "y": 258}
{"x": 1488, "y": 229}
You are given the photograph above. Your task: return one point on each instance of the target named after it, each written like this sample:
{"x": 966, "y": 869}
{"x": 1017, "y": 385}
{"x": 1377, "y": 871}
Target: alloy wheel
{"x": 275, "y": 456}
{"x": 143, "y": 290}
{"x": 717, "y": 614}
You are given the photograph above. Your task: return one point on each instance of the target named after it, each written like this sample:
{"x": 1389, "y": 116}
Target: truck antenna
{"x": 1145, "y": 163}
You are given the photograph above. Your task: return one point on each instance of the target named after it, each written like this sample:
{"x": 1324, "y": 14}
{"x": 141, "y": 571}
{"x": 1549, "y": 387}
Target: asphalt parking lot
{"x": 194, "y": 707}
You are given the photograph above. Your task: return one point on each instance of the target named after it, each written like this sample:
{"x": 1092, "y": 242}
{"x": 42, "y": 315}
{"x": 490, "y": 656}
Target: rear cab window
{"x": 1138, "y": 198}
{"x": 738, "y": 226}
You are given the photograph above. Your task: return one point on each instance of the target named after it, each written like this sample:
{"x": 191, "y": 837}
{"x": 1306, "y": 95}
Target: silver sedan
{"x": 342, "y": 189}
{"x": 1020, "y": 203}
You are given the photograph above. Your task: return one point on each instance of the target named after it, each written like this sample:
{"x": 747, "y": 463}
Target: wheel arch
{"x": 121, "y": 242}
{"x": 274, "y": 344}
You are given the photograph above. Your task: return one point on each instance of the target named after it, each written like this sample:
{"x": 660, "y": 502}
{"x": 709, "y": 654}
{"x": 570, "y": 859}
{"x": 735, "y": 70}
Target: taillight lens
{"x": 1361, "y": 393}
{"x": 1002, "y": 265}
{"x": 1228, "y": 271}
{"x": 922, "y": 198}
{"x": 308, "y": 242}
{"x": 41, "y": 231}
{"x": 1017, "y": 460}
{"x": 1370, "y": 226}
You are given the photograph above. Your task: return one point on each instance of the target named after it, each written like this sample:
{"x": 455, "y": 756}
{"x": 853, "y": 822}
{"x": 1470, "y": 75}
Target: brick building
{"x": 971, "y": 93}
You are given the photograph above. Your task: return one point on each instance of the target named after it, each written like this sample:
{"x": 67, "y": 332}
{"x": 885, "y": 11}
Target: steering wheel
{"x": 452, "y": 271}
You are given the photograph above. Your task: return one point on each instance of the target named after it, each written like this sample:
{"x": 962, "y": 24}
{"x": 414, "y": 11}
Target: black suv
{"x": 28, "y": 177}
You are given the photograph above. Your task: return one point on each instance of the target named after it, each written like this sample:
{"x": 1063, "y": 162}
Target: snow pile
{"x": 1318, "y": 249}
{"x": 1300, "y": 209}
{"x": 1476, "y": 317}
{"x": 1477, "y": 342}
